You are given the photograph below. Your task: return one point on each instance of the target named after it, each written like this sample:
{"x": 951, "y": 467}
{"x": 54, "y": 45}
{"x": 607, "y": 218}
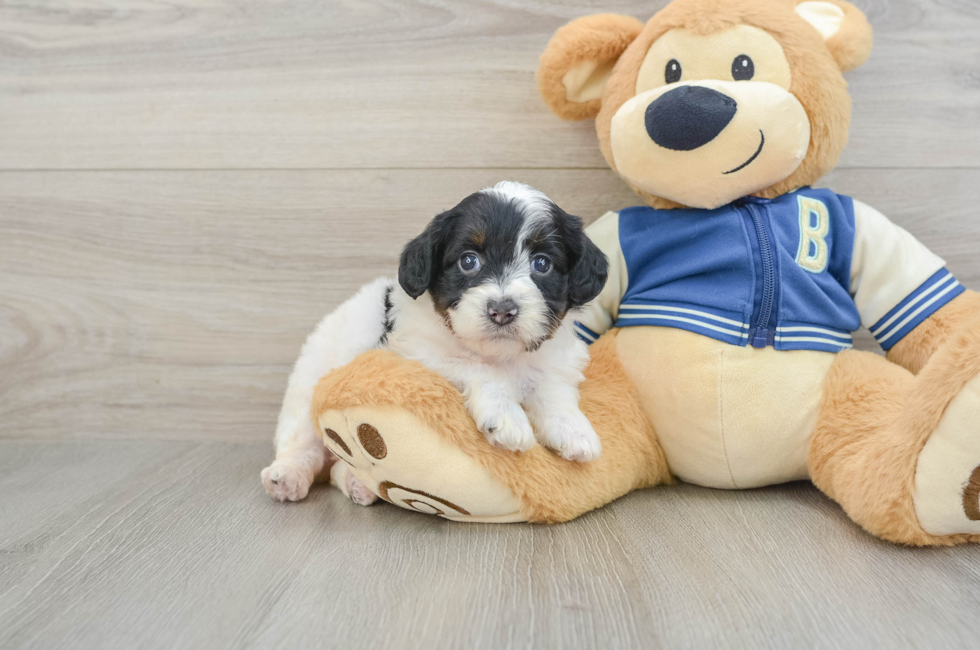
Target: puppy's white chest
{"x": 522, "y": 376}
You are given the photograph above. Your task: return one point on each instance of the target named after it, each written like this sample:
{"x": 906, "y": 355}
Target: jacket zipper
{"x": 763, "y": 337}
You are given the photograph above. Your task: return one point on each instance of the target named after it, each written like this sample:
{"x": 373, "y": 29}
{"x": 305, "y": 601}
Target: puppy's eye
{"x": 540, "y": 264}
{"x": 674, "y": 72}
{"x": 469, "y": 262}
{"x": 743, "y": 68}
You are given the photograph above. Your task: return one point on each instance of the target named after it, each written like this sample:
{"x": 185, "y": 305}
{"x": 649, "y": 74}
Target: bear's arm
{"x": 905, "y": 295}
{"x": 598, "y": 316}
{"x": 915, "y": 350}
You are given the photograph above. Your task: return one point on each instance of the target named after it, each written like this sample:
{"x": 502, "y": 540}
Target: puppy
{"x": 486, "y": 296}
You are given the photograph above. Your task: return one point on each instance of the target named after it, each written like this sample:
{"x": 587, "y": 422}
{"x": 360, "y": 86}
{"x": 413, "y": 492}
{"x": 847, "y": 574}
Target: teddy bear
{"x": 721, "y": 345}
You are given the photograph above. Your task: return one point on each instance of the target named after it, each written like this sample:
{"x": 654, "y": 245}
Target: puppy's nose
{"x": 502, "y": 312}
{"x": 689, "y": 117}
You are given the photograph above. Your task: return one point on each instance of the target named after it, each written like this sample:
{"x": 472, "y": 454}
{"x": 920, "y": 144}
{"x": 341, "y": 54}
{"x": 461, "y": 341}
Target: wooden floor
{"x": 186, "y": 187}
{"x": 171, "y": 544}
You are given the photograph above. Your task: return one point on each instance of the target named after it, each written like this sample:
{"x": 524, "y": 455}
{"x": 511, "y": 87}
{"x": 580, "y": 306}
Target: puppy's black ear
{"x": 589, "y": 274}
{"x": 415, "y": 267}
{"x": 590, "y": 268}
{"x": 418, "y": 264}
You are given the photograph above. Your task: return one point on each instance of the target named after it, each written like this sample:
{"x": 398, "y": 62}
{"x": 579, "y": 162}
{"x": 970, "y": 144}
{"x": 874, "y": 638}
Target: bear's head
{"x": 712, "y": 100}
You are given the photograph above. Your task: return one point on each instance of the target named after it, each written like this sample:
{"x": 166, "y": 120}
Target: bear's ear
{"x": 578, "y": 61}
{"x": 844, "y": 28}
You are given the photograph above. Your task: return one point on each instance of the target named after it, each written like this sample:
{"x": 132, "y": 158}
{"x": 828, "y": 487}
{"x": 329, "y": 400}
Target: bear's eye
{"x": 743, "y": 68}
{"x": 674, "y": 72}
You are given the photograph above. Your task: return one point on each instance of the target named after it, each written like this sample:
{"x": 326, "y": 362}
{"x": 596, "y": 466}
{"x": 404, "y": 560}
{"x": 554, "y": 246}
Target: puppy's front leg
{"x": 559, "y": 424}
{"x": 494, "y": 405}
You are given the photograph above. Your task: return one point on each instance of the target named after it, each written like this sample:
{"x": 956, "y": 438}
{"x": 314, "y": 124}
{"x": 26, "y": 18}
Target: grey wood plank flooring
{"x": 395, "y": 83}
{"x": 174, "y": 544}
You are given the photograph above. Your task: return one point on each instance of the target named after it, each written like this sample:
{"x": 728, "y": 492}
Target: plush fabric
{"x": 703, "y": 397}
{"x": 893, "y": 440}
{"x": 875, "y": 420}
{"x": 586, "y": 44}
{"x": 551, "y": 489}
{"x": 817, "y": 81}
{"x": 851, "y": 45}
{"x": 915, "y": 350}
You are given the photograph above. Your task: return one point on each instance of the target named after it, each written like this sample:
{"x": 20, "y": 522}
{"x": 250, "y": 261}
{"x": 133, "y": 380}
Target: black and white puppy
{"x": 486, "y": 291}
{"x": 485, "y": 296}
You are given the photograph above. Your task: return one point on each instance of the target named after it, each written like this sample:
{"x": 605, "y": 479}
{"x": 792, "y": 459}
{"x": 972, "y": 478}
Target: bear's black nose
{"x": 689, "y": 117}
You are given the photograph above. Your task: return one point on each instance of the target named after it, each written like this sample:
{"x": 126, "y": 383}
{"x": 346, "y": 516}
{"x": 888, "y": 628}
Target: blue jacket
{"x": 801, "y": 272}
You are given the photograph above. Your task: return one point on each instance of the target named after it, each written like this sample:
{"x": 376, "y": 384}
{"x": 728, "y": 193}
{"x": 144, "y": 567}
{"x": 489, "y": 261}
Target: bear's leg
{"x": 900, "y": 452}
{"x": 434, "y": 454}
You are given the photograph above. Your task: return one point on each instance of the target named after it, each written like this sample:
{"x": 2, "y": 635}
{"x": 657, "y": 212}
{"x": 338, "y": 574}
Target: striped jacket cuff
{"x": 722, "y": 326}
{"x": 922, "y": 303}
{"x": 585, "y": 333}
{"x": 801, "y": 336}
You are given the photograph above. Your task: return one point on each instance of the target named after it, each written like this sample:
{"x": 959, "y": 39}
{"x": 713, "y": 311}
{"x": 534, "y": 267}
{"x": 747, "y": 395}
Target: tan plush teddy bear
{"x": 721, "y": 343}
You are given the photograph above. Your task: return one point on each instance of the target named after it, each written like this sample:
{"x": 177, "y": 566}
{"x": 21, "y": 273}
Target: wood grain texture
{"x": 293, "y": 84}
{"x": 187, "y": 187}
{"x": 172, "y": 304}
{"x": 140, "y": 544}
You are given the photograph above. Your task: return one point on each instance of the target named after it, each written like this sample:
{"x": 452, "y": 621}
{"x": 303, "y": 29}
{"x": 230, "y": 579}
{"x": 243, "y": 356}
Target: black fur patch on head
{"x": 490, "y": 224}
{"x": 579, "y": 268}
{"x": 588, "y": 266}
{"x": 482, "y": 223}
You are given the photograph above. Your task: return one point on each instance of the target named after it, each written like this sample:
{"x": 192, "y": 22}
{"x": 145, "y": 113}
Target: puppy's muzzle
{"x": 502, "y": 312}
{"x": 689, "y": 117}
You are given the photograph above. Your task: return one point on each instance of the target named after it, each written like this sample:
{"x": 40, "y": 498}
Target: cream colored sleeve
{"x": 600, "y": 314}
{"x": 897, "y": 283}
{"x": 888, "y": 264}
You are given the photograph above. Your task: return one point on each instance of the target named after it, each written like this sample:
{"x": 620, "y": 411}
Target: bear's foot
{"x": 947, "y": 477}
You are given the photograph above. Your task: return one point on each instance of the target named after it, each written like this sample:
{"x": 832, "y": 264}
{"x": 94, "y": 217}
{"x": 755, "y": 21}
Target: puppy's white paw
{"x": 286, "y": 482}
{"x": 571, "y": 435}
{"x": 507, "y": 428}
{"x": 350, "y": 485}
{"x": 358, "y": 492}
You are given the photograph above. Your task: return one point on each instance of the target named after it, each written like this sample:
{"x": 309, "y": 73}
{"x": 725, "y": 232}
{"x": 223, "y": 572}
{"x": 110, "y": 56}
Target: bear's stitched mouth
{"x": 752, "y": 159}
